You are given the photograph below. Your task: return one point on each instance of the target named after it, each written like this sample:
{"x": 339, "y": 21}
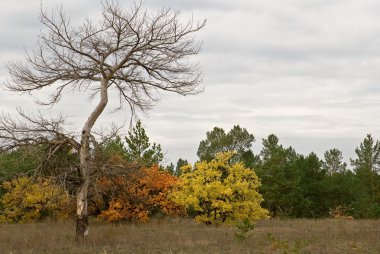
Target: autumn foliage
{"x": 213, "y": 192}
{"x": 27, "y": 201}
{"x": 218, "y": 192}
{"x": 142, "y": 194}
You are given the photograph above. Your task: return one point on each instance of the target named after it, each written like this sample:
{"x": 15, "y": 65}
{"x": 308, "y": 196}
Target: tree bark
{"x": 85, "y": 163}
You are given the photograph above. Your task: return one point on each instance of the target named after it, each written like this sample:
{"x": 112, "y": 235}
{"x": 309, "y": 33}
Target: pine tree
{"x": 140, "y": 150}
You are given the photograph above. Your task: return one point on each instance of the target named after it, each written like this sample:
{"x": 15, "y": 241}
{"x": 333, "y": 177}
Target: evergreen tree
{"x": 140, "y": 150}
{"x": 19, "y": 161}
{"x": 341, "y": 190}
{"x": 136, "y": 148}
{"x": 366, "y": 167}
{"x": 237, "y": 140}
{"x": 180, "y": 163}
{"x": 114, "y": 147}
{"x": 280, "y": 182}
{"x": 170, "y": 169}
{"x": 333, "y": 162}
{"x": 313, "y": 186}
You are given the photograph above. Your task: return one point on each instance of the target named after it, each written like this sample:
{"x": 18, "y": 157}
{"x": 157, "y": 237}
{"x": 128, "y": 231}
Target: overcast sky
{"x": 307, "y": 71}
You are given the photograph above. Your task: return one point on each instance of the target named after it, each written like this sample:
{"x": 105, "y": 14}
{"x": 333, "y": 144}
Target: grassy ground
{"x": 185, "y": 236}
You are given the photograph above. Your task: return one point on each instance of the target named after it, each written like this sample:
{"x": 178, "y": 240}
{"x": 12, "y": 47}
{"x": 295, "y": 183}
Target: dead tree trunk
{"x": 85, "y": 163}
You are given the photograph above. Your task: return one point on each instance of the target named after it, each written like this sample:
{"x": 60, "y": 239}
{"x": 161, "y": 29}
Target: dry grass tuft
{"x": 186, "y": 236}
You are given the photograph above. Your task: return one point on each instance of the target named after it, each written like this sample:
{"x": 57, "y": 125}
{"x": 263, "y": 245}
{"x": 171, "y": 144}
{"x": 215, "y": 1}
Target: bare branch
{"x": 33, "y": 130}
{"x": 138, "y": 52}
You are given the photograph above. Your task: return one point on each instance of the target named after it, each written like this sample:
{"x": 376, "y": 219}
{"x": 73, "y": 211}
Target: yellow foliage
{"x": 27, "y": 201}
{"x": 217, "y": 192}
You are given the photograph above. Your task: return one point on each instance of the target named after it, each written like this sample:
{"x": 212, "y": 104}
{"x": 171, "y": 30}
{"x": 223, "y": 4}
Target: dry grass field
{"x": 186, "y": 236}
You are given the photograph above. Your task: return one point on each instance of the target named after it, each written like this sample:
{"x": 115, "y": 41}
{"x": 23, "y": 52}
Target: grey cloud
{"x": 307, "y": 71}
{"x": 195, "y": 5}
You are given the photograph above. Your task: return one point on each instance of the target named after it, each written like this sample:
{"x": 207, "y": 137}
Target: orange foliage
{"x": 139, "y": 195}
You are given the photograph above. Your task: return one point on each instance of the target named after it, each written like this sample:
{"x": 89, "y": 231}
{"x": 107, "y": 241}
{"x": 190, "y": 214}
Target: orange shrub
{"x": 137, "y": 196}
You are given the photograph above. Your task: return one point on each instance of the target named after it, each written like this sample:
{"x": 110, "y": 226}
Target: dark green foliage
{"x": 21, "y": 161}
{"x": 281, "y": 188}
{"x": 136, "y": 148}
{"x": 37, "y": 159}
{"x": 341, "y": 190}
{"x": 140, "y": 150}
{"x": 366, "y": 168}
{"x": 313, "y": 185}
{"x": 333, "y": 162}
{"x": 237, "y": 139}
{"x": 114, "y": 147}
{"x": 299, "y": 186}
{"x": 295, "y": 185}
{"x": 170, "y": 169}
{"x": 367, "y": 165}
{"x": 180, "y": 163}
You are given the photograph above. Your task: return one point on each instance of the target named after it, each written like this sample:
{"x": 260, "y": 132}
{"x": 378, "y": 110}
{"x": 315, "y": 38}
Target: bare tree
{"x": 134, "y": 52}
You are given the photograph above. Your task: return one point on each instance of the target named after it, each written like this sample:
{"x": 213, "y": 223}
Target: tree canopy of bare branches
{"x": 133, "y": 52}
{"x": 34, "y": 129}
{"x": 136, "y": 51}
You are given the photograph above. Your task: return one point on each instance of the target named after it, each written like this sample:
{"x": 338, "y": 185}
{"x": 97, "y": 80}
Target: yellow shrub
{"x": 28, "y": 201}
{"x": 216, "y": 192}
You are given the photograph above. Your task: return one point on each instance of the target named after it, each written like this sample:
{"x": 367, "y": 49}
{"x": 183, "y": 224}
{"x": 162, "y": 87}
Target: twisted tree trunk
{"x": 85, "y": 163}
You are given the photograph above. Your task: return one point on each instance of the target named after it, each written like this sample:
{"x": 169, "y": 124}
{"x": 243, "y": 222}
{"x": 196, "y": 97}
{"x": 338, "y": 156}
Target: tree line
{"x": 295, "y": 185}
{"x": 130, "y": 182}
